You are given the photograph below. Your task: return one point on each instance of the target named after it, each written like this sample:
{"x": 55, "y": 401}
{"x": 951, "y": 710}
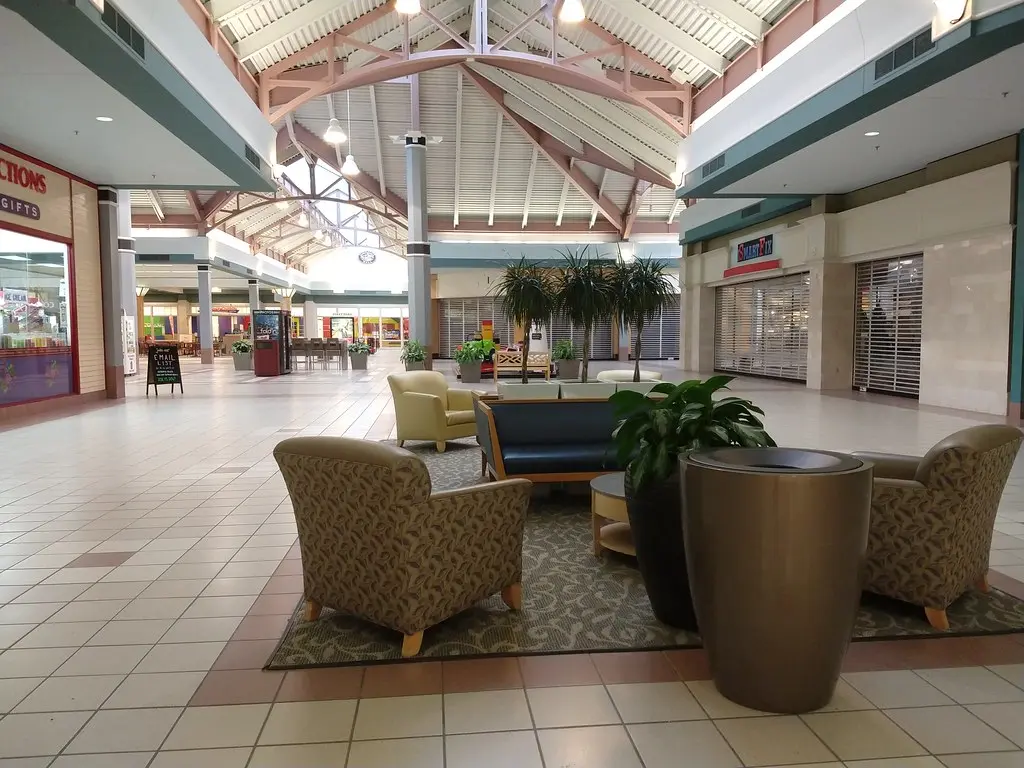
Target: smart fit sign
{"x": 34, "y": 196}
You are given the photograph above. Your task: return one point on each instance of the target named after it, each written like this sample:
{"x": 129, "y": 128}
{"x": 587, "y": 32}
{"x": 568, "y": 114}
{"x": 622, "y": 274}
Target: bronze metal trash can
{"x": 775, "y": 545}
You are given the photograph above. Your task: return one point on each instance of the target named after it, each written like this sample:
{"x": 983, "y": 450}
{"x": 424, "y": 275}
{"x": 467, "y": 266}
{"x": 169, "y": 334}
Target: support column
{"x": 417, "y": 249}
{"x": 311, "y": 320}
{"x": 205, "y": 315}
{"x": 1015, "y": 406}
{"x": 625, "y": 348}
{"x": 831, "y": 316}
{"x": 184, "y": 318}
{"x": 126, "y": 261}
{"x": 111, "y": 292}
{"x": 254, "y": 295}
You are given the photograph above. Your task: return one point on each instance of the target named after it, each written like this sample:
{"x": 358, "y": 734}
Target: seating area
{"x": 426, "y": 408}
{"x": 320, "y": 353}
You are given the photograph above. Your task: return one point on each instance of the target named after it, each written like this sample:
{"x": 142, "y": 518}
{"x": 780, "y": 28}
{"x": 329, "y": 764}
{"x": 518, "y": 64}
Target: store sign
{"x": 755, "y": 249}
{"x": 16, "y": 207}
{"x": 20, "y": 175}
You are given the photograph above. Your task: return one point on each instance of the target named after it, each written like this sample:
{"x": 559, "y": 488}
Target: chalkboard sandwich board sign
{"x": 164, "y": 368}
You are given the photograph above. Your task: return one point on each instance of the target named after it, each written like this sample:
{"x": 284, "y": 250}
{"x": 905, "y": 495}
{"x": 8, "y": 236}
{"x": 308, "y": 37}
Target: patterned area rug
{"x": 575, "y": 602}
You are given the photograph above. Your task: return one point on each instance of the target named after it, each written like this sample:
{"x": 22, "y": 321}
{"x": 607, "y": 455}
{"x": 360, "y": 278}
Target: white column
{"x": 254, "y": 295}
{"x": 184, "y": 317}
{"x": 311, "y": 320}
{"x": 831, "y": 316}
{"x": 205, "y": 315}
{"x": 111, "y": 292}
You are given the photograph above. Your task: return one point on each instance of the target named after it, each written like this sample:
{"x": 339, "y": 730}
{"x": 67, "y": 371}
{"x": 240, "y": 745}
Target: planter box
{"x": 416, "y": 366}
{"x": 470, "y": 372}
{"x": 590, "y": 391}
{"x": 359, "y": 362}
{"x": 567, "y": 369}
{"x": 539, "y": 390}
{"x": 243, "y": 360}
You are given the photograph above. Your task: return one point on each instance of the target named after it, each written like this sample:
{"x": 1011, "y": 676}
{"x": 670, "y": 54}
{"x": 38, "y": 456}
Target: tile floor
{"x": 148, "y": 565}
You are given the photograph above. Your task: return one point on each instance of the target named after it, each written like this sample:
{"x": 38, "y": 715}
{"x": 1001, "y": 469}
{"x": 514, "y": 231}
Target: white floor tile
{"x": 1008, "y": 719}
{"x": 655, "y": 702}
{"x": 14, "y": 690}
{"x": 972, "y": 685}
{"x": 407, "y": 753}
{"x": 60, "y": 694}
{"x": 511, "y": 749}
{"x": 863, "y": 735}
{"x": 661, "y": 745}
{"x": 210, "y": 727}
{"x": 124, "y": 730}
{"x": 897, "y": 688}
{"x": 943, "y": 730}
{"x": 167, "y": 689}
{"x": 181, "y": 657}
{"x": 304, "y": 755}
{"x": 38, "y": 734}
{"x": 596, "y": 747}
{"x": 203, "y": 758}
{"x": 774, "y": 740}
{"x": 716, "y": 705}
{"x": 309, "y": 722}
{"x": 563, "y": 707}
{"x": 486, "y": 711}
{"x": 397, "y": 717}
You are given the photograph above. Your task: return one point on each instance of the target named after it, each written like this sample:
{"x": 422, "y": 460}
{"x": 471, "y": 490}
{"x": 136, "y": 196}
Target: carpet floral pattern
{"x": 573, "y": 601}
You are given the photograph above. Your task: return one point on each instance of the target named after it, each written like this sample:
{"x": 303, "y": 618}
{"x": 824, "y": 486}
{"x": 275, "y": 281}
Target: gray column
{"x": 832, "y": 315}
{"x": 205, "y": 315}
{"x": 126, "y": 262}
{"x": 311, "y": 320}
{"x": 111, "y": 292}
{"x": 184, "y": 318}
{"x": 254, "y": 295}
{"x": 417, "y": 249}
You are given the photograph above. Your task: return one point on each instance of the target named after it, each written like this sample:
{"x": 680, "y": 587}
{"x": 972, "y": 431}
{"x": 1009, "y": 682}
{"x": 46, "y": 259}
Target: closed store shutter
{"x": 887, "y": 344}
{"x": 560, "y": 329}
{"x": 761, "y": 327}
{"x": 461, "y": 319}
{"x": 660, "y": 338}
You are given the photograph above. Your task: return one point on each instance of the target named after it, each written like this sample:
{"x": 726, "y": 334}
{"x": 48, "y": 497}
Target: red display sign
{"x": 22, "y": 176}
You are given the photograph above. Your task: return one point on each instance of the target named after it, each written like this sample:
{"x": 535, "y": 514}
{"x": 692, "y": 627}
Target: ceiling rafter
{"x": 744, "y": 21}
{"x": 494, "y": 166}
{"x": 458, "y": 147}
{"x": 529, "y": 186}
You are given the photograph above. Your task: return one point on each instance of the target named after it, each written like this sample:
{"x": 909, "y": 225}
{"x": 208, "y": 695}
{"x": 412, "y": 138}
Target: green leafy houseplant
{"x": 413, "y": 352}
{"x": 358, "y": 348}
{"x": 653, "y": 433}
{"x": 564, "y": 350}
{"x": 584, "y": 295}
{"x": 469, "y": 352}
{"x": 527, "y": 296}
{"x": 641, "y": 290}
{"x": 241, "y": 347}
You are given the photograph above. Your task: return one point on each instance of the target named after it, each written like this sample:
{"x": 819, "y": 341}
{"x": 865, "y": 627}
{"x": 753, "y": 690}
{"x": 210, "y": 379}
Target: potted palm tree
{"x": 359, "y": 353}
{"x": 651, "y": 436}
{"x": 414, "y": 355}
{"x": 641, "y": 291}
{"x": 566, "y": 357}
{"x": 527, "y": 296}
{"x": 584, "y": 295}
{"x": 469, "y": 356}
{"x": 241, "y": 354}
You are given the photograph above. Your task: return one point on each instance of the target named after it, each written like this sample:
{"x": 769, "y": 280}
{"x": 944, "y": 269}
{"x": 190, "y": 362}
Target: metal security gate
{"x": 761, "y": 327}
{"x": 461, "y": 320}
{"x": 560, "y": 329}
{"x": 887, "y": 342}
{"x": 660, "y": 338}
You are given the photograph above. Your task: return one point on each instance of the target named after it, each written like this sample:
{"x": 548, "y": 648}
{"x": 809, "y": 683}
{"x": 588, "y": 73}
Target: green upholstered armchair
{"x": 932, "y": 518}
{"x": 427, "y": 409}
{"x": 378, "y": 545}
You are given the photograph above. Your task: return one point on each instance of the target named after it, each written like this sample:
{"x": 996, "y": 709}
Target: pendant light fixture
{"x": 349, "y": 167}
{"x": 334, "y": 134}
{"x": 407, "y": 7}
{"x": 572, "y": 12}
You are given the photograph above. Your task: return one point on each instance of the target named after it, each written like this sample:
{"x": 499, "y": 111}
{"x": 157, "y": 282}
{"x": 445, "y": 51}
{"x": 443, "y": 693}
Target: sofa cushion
{"x": 550, "y": 459}
{"x": 553, "y": 421}
{"x": 452, "y": 418}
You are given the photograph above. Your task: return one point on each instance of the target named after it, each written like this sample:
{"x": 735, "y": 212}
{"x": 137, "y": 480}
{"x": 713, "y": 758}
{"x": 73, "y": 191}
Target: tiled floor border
{"x": 237, "y": 677}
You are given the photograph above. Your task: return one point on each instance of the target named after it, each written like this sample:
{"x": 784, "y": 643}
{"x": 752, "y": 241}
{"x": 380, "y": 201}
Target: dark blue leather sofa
{"x": 547, "y": 441}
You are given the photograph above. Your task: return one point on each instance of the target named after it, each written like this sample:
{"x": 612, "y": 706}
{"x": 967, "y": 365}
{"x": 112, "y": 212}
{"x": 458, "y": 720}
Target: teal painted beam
{"x": 1017, "y": 294}
{"x": 858, "y": 96}
{"x": 152, "y": 84}
{"x": 771, "y": 208}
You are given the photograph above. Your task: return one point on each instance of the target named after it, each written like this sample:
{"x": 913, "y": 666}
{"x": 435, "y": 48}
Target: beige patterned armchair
{"x": 426, "y": 409}
{"x": 378, "y": 545}
{"x": 932, "y": 518}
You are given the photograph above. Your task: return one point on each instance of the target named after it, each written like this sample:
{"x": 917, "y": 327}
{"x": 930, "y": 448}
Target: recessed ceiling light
{"x": 871, "y": 133}
{"x": 105, "y": 119}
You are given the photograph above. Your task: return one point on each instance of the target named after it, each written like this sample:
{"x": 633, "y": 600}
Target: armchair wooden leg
{"x": 512, "y": 596}
{"x": 441, "y": 445}
{"x": 313, "y": 610}
{"x": 411, "y": 644}
{"x": 401, "y": 443}
{"x": 937, "y": 618}
{"x": 982, "y": 584}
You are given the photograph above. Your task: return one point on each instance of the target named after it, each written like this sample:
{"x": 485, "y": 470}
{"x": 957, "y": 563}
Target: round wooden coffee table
{"x": 608, "y": 514}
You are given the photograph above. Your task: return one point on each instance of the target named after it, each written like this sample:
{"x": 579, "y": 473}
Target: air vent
{"x": 252, "y": 157}
{"x": 121, "y": 27}
{"x": 153, "y": 257}
{"x": 712, "y": 166}
{"x": 903, "y": 54}
{"x": 750, "y": 210}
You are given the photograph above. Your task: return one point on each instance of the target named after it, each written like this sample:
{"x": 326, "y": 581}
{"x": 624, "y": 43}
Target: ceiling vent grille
{"x": 712, "y": 166}
{"x": 750, "y": 210}
{"x": 903, "y": 54}
{"x": 123, "y": 28}
{"x": 252, "y": 157}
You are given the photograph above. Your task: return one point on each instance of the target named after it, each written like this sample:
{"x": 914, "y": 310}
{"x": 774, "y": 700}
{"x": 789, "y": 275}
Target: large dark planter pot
{"x": 359, "y": 362}
{"x": 470, "y": 372}
{"x": 656, "y": 521}
{"x": 567, "y": 369}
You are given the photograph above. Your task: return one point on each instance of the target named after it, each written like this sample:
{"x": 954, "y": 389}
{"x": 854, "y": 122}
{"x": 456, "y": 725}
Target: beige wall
{"x": 464, "y": 283}
{"x": 88, "y": 296}
{"x": 962, "y": 225}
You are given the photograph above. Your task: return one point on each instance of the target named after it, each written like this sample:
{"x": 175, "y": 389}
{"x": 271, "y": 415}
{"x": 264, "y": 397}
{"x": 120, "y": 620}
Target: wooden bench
{"x": 507, "y": 360}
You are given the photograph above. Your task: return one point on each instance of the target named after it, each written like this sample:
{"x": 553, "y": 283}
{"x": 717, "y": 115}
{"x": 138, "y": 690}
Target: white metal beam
{"x": 747, "y": 23}
{"x": 561, "y": 202}
{"x": 478, "y": 25}
{"x": 529, "y": 188}
{"x": 288, "y": 24}
{"x": 675, "y": 211}
{"x": 543, "y": 122}
{"x": 541, "y": 33}
{"x": 458, "y": 146}
{"x": 638, "y": 13}
{"x": 377, "y": 144}
{"x": 494, "y": 167}
{"x": 418, "y": 25}
{"x": 222, "y": 9}
{"x": 600, "y": 192}
{"x": 154, "y": 201}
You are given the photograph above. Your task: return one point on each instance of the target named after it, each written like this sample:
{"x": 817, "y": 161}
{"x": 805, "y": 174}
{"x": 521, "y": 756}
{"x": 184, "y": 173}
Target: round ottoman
{"x": 616, "y": 376}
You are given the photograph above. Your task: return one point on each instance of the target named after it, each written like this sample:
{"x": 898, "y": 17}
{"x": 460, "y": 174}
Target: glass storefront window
{"x": 35, "y": 319}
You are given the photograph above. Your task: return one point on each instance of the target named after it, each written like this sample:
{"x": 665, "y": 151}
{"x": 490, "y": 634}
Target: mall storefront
{"x": 51, "y": 331}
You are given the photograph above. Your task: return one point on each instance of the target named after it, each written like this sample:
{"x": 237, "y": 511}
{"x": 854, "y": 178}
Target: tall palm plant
{"x": 527, "y": 296}
{"x": 642, "y": 289}
{"x": 584, "y": 295}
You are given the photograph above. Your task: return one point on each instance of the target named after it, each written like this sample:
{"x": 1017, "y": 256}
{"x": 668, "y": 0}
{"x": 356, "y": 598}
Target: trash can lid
{"x": 777, "y": 460}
